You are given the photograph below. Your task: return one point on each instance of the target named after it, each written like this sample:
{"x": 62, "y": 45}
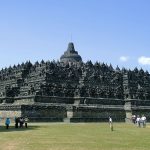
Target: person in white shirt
{"x": 143, "y": 120}
{"x": 110, "y": 123}
{"x": 138, "y": 121}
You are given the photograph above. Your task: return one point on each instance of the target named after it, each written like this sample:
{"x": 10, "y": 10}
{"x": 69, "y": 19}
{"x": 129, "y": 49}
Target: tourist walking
{"x": 134, "y": 119}
{"x": 143, "y": 120}
{"x": 7, "y": 123}
{"x": 16, "y": 122}
{"x": 138, "y": 121}
{"x": 110, "y": 123}
{"x": 26, "y": 121}
{"x": 21, "y": 121}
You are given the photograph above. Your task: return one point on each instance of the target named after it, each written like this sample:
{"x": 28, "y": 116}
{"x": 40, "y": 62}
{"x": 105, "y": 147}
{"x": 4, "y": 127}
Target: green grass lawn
{"x": 75, "y": 136}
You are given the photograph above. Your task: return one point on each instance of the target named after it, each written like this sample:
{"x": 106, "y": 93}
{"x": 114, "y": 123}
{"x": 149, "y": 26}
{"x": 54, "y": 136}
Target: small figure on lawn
{"x": 143, "y": 121}
{"x": 110, "y": 123}
{"x": 21, "y": 122}
{"x": 7, "y": 123}
{"x": 138, "y": 121}
{"x": 26, "y": 121}
{"x": 134, "y": 119}
{"x": 16, "y": 122}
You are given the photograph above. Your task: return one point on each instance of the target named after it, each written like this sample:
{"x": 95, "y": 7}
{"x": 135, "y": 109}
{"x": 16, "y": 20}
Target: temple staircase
{"x": 70, "y": 111}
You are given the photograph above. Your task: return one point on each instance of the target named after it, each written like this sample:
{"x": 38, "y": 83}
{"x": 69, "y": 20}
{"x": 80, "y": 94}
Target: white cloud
{"x": 144, "y": 60}
{"x": 124, "y": 58}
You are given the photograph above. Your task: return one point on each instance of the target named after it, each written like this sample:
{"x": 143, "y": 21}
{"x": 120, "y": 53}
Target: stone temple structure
{"x": 73, "y": 91}
{"x": 70, "y": 55}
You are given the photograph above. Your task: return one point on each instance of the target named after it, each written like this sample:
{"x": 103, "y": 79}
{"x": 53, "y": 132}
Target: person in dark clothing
{"x": 16, "y": 122}
{"x": 21, "y": 122}
{"x": 26, "y": 121}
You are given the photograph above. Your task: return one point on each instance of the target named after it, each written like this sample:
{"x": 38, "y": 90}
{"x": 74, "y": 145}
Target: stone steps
{"x": 66, "y": 120}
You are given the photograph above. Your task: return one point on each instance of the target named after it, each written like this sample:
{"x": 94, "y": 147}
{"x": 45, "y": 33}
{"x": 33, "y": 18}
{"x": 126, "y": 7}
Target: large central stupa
{"x": 70, "y": 55}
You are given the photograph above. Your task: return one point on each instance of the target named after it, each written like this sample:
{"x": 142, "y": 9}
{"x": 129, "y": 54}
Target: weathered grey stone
{"x": 89, "y": 89}
{"x": 70, "y": 55}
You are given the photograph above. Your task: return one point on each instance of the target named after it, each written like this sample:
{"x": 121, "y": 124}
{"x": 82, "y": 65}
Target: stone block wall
{"x": 103, "y": 101}
{"x": 100, "y": 114}
{"x": 54, "y": 99}
{"x": 10, "y": 111}
{"x": 43, "y": 112}
{"x": 78, "y": 109}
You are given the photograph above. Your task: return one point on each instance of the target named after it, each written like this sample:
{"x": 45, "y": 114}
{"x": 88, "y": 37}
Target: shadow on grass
{"x": 13, "y": 129}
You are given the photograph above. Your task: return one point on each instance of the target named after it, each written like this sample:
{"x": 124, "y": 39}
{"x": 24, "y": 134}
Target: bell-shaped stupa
{"x": 70, "y": 55}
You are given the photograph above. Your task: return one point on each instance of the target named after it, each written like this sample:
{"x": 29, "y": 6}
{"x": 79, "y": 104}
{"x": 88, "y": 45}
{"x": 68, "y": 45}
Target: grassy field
{"x": 79, "y": 136}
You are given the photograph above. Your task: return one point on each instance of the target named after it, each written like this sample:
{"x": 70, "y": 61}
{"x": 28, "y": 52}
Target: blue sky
{"x": 110, "y": 31}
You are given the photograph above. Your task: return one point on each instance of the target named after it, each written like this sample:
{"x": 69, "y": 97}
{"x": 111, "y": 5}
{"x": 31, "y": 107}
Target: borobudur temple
{"x": 73, "y": 91}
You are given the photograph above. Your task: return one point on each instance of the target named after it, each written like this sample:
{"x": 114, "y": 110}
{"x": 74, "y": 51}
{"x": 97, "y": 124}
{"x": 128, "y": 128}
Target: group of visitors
{"x": 19, "y": 122}
{"x": 140, "y": 121}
